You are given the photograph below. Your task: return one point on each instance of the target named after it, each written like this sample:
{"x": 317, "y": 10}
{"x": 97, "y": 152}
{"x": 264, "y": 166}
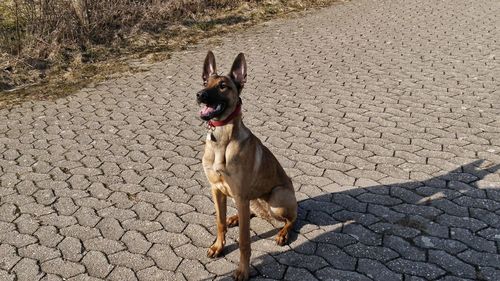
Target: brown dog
{"x": 238, "y": 165}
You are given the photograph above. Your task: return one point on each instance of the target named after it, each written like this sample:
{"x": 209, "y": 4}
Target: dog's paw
{"x": 232, "y": 221}
{"x": 282, "y": 238}
{"x": 214, "y": 251}
{"x": 240, "y": 275}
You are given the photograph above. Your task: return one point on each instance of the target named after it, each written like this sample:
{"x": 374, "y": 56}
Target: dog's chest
{"x": 216, "y": 178}
{"x": 214, "y": 163}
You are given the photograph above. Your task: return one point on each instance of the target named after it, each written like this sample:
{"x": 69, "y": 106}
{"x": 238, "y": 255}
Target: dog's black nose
{"x": 202, "y": 95}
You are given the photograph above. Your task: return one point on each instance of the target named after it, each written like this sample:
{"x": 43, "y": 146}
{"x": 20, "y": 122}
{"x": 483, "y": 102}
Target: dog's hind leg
{"x": 283, "y": 207}
{"x": 232, "y": 221}
{"x": 256, "y": 210}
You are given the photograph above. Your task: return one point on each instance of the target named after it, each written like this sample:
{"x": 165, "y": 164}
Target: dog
{"x": 238, "y": 165}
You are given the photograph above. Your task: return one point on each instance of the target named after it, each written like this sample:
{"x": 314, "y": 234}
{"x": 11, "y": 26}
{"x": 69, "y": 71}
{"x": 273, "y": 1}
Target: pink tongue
{"x": 205, "y": 110}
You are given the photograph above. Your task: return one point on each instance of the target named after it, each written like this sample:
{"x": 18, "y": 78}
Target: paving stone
{"x": 8, "y": 257}
{"x": 84, "y": 277}
{"x": 110, "y": 228}
{"x": 116, "y": 213}
{"x": 163, "y": 237}
{"x": 404, "y": 248}
{"x": 122, "y": 273}
{"x": 71, "y": 249}
{"x": 452, "y": 264}
{"x": 336, "y": 274}
{"x": 66, "y": 269}
{"x": 481, "y": 259}
{"x": 399, "y": 230}
{"x": 155, "y": 274}
{"x": 485, "y": 216}
{"x": 490, "y": 233}
{"x": 221, "y": 267}
{"x": 93, "y": 203}
{"x": 331, "y": 237}
{"x": 474, "y": 241}
{"x": 144, "y": 227}
{"x": 17, "y": 239}
{"x": 377, "y": 270}
{"x": 311, "y": 263}
{"x": 296, "y": 274}
{"x": 194, "y": 270}
{"x": 134, "y": 261}
{"x": 65, "y": 206}
{"x": 362, "y": 218}
{"x": 104, "y": 245}
{"x": 327, "y": 207}
{"x": 336, "y": 257}
{"x": 58, "y": 221}
{"x": 272, "y": 270}
{"x": 378, "y": 199}
{"x": 361, "y": 250}
{"x": 98, "y": 190}
{"x": 9, "y": 212}
{"x": 362, "y": 234}
{"x": 451, "y": 208}
{"x": 81, "y": 232}
{"x": 199, "y": 236}
{"x": 453, "y": 278}
{"x": 489, "y": 273}
{"x": 424, "y": 211}
{"x": 87, "y": 217}
{"x": 164, "y": 257}
{"x": 6, "y": 227}
{"x": 51, "y": 277}
{"x": 426, "y": 270}
{"x": 425, "y": 225}
{"x": 48, "y": 236}
{"x": 27, "y": 270}
{"x": 145, "y": 211}
{"x": 349, "y": 203}
{"x": 385, "y": 213}
{"x": 96, "y": 264}
{"x": 39, "y": 252}
{"x": 4, "y": 275}
{"x": 449, "y": 245}
{"x": 26, "y": 224}
{"x": 121, "y": 200}
{"x": 189, "y": 251}
{"x": 486, "y": 204}
{"x": 136, "y": 242}
{"x": 302, "y": 245}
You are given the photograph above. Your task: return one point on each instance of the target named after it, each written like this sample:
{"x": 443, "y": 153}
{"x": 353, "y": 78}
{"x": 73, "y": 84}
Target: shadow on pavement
{"x": 442, "y": 227}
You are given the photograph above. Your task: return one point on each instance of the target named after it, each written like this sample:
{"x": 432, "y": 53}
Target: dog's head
{"x": 221, "y": 94}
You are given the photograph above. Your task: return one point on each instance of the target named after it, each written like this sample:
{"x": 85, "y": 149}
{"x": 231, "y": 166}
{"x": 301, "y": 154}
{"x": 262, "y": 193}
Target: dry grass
{"x": 49, "y": 48}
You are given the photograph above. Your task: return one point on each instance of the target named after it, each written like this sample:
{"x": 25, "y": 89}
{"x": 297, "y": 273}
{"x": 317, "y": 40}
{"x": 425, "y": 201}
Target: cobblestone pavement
{"x": 384, "y": 113}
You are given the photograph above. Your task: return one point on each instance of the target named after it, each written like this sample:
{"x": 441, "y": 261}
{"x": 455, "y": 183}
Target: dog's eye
{"x": 205, "y": 83}
{"x": 222, "y": 86}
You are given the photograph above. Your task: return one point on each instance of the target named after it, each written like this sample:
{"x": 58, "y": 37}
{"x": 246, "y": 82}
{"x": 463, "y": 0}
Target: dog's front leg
{"x": 220, "y": 201}
{"x": 243, "y": 206}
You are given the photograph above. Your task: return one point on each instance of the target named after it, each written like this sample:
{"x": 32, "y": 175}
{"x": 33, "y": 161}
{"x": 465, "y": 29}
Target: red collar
{"x": 213, "y": 124}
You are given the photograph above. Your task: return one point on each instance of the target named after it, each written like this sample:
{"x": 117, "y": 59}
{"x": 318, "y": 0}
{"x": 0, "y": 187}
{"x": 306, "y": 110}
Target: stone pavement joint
{"x": 385, "y": 114}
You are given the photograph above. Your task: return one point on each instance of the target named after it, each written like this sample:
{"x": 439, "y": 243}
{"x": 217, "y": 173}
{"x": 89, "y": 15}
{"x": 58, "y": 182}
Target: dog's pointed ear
{"x": 209, "y": 67}
{"x": 239, "y": 71}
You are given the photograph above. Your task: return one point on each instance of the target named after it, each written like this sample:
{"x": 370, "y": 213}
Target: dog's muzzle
{"x": 211, "y": 106}
{"x": 202, "y": 96}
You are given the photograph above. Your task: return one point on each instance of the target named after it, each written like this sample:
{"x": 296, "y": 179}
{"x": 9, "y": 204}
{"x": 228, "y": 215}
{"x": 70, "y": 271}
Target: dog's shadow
{"x": 432, "y": 228}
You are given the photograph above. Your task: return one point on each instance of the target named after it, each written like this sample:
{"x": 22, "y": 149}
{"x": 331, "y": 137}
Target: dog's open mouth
{"x": 209, "y": 111}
